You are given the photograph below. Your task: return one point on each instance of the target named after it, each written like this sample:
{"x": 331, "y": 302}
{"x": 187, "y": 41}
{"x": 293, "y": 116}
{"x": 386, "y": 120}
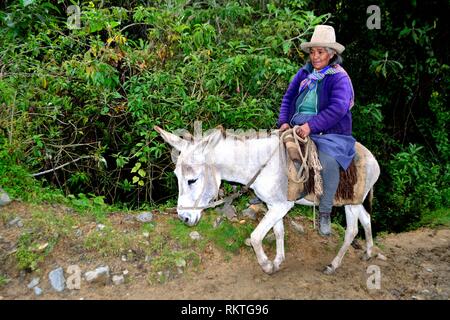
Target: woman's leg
{"x": 330, "y": 178}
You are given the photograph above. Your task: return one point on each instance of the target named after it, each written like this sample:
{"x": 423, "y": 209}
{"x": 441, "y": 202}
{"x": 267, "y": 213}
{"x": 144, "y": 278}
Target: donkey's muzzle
{"x": 187, "y": 218}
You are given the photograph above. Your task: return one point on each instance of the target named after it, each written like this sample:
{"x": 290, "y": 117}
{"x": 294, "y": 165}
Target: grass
{"x": 43, "y": 231}
{"x": 229, "y": 236}
{"x": 3, "y": 280}
{"x": 436, "y": 218}
{"x": 29, "y": 255}
{"x": 107, "y": 242}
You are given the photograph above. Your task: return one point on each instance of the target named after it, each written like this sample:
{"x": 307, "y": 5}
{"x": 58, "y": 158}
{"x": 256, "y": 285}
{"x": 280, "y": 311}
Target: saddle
{"x": 351, "y": 181}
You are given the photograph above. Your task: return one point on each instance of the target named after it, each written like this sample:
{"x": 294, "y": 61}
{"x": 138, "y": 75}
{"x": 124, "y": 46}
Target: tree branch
{"x": 61, "y": 166}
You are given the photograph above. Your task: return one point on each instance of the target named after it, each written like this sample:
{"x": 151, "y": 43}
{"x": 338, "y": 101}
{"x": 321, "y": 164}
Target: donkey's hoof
{"x": 277, "y": 264}
{"x": 268, "y": 267}
{"x": 329, "y": 269}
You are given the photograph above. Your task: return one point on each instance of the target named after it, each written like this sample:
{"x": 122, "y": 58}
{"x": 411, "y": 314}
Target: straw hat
{"x": 323, "y": 36}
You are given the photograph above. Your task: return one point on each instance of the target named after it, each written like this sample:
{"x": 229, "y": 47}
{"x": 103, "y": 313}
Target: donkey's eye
{"x": 191, "y": 181}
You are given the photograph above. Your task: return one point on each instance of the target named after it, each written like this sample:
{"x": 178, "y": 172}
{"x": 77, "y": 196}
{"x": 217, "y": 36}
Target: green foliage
{"x": 85, "y": 100}
{"x": 3, "y": 280}
{"x": 227, "y": 235}
{"x": 417, "y": 188}
{"x": 435, "y": 218}
{"x": 27, "y": 255}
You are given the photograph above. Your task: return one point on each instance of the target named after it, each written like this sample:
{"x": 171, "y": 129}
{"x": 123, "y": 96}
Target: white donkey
{"x": 259, "y": 163}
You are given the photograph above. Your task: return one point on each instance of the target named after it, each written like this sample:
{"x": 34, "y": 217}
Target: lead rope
{"x": 310, "y": 155}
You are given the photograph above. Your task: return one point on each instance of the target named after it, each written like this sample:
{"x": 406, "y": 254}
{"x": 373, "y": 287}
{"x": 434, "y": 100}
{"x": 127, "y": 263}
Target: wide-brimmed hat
{"x": 323, "y": 36}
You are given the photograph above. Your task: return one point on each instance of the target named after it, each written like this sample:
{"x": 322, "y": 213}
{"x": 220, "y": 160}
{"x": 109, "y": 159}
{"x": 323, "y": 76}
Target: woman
{"x": 319, "y": 99}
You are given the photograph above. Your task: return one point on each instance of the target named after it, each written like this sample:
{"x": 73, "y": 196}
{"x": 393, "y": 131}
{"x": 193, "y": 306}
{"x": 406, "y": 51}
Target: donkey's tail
{"x": 368, "y": 201}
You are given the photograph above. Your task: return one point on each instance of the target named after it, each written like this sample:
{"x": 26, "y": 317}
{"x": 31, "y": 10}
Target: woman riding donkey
{"x": 318, "y": 100}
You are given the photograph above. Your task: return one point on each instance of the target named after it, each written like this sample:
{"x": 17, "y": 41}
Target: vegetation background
{"x": 77, "y": 106}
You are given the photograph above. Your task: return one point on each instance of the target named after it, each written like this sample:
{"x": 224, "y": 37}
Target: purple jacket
{"x": 335, "y": 93}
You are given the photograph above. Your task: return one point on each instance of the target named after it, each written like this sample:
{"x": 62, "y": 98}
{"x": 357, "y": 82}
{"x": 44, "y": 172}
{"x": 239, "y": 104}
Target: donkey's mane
{"x": 244, "y": 135}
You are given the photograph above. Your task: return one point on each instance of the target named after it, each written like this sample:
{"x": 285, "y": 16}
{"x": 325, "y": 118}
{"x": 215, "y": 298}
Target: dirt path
{"x": 417, "y": 266}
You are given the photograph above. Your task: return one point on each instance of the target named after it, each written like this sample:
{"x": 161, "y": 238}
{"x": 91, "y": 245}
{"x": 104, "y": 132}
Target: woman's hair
{"x": 337, "y": 58}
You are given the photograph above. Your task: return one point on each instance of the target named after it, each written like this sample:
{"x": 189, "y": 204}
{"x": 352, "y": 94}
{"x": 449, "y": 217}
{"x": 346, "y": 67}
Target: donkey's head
{"x": 198, "y": 177}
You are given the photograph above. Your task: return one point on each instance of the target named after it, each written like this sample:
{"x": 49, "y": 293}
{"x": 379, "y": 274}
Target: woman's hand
{"x": 284, "y": 127}
{"x": 304, "y": 130}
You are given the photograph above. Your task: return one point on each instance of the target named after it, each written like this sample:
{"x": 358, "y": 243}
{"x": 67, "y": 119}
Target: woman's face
{"x": 319, "y": 57}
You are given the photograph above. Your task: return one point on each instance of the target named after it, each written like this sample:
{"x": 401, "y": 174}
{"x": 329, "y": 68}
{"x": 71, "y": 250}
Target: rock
{"x": 381, "y": 257}
{"x": 228, "y": 211}
{"x": 195, "y": 235}
{"x": 297, "y": 227}
{"x": 249, "y": 213}
{"x": 248, "y": 242}
{"x": 37, "y": 291}
{"x": 33, "y": 283}
{"x": 4, "y": 198}
{"x": 57, "y": 280}
{"x": 16, "y": 222}
{"x": 100, "y": 274}
{"x": 145, "y": 217}
{"x": 118, "y": 280}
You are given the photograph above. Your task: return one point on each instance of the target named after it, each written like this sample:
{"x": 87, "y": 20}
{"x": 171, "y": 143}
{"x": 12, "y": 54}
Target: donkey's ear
{"x": 174, "y": 140}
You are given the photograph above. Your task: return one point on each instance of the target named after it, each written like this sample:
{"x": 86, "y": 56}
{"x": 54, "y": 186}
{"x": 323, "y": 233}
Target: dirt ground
{"x": 417, "y": 266}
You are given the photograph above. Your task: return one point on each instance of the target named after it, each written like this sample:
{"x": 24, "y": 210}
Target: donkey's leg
{"x": 275, "y": 214}
{"x": 278, "y": 229}
{"x": 351, "y": 231}
{"x": 364, "y": 217}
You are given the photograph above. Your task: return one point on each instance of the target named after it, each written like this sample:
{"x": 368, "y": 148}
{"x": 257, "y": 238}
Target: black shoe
{"x": 325, "y": 224}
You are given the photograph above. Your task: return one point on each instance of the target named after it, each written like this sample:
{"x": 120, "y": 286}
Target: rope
{"x": 309, "y": 159}
{"x": 234, "y": 195}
